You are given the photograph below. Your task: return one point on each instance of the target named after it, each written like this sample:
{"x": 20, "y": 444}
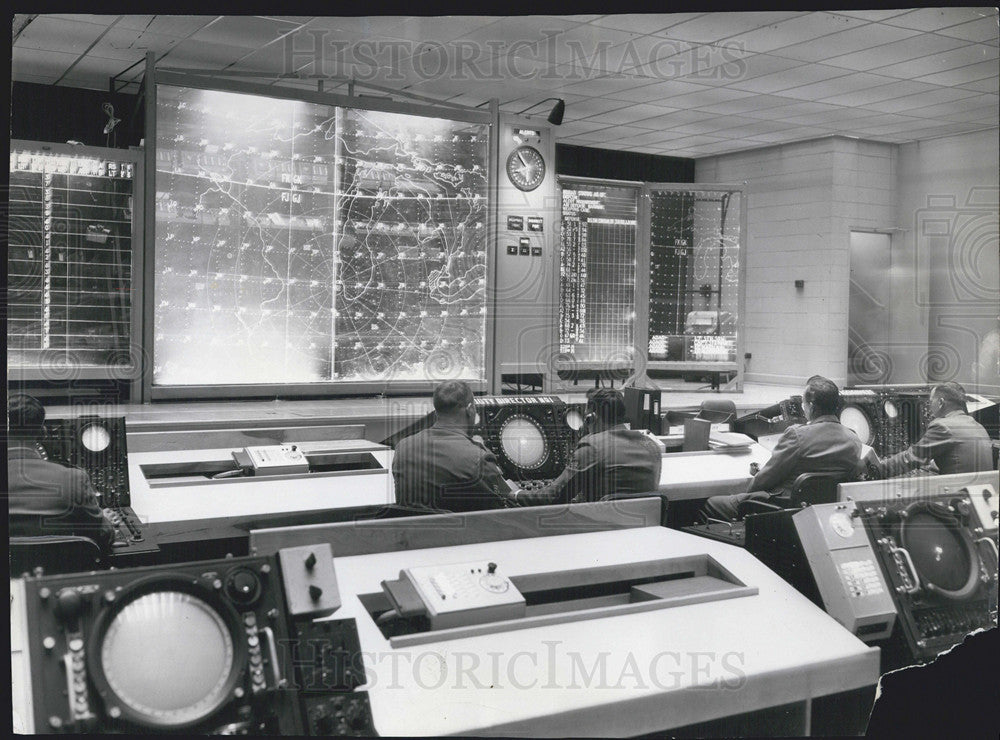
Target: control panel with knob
{"x": 310, "y": 580}
{"x": 465, "y": 593}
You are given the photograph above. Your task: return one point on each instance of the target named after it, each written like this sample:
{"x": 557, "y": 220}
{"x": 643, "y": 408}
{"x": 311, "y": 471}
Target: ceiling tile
{"x": 130, "y": 44}
{"x": 931, "y": 19}
{"x": 870, "y": 15}
{"x": 194, "y": 53}
{"x": 614, "y": 133}
{"x": 804, "y": 74}
{"x": 987, "y": 84}
{"x": 590, "y": 47}
{"x": 956, "y": 108}
{"x": 754, "y": 128}
{"x": 606, "y": 86}
{"x": 752, "y": 103}
{"x": 845, "y": 42}
{"x": 795, "y": 30}
{"x": 790, "y": 111}
{"x": 643, "y": 22}
{"x": 931, "y": 97}
{"x": 350, "y": 28}
{"x": 677, "y": 118}
{"x": 824, "y": 118}
{"x": 745, "y": 68}
{"x": 709, "y": 96}
{"x": 179, "y": 26}
{"x": 251, "y": 32}
{"x": 931, "y": 64}
{"x": 837, "y": 86}
{"x": 984, "y": 29}
{"x": 962, "y": 75}
{"x": 591, "y": 107}
{"x": 58, "y": 34}
{"x": 914, "y": 47}
{"x": 41, "y": 63}
{"x": 713, "y": 27}
{"x": 632, "y": 113}
{"x": 439, "y": 28}
{"x": 895, "y": 89}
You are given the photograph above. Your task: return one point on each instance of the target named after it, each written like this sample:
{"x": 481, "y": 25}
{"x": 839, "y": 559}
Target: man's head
{"x": 947, "y": 397}
{"x": 453, "y": 403}
{"x": 607, "y": 406}
{"x": 25, "y": 416}
{"x": 820, "y": 398}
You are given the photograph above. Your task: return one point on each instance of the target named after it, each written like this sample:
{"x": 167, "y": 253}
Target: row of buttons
{"x": 258, "y": 683}
{"x": 78, "y": 677}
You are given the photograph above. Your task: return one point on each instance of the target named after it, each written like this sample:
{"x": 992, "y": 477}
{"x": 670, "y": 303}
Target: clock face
{"x": 526, "y": 168}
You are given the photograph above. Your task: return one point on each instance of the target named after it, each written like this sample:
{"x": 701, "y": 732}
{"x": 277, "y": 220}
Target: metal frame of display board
{"x": 154, "y": 77}
{"x": 643, "y": 364}
{"x": 132, "y": 373}
{"x": 640, "y": 348}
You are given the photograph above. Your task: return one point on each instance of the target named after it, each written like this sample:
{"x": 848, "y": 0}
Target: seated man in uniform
{"x": 953, "y": 440}
{"x": 610, "y": 459}
{"x": 443, "y": 468}
{"x": 46, "y": 498}
{"x": 822, "y": 445}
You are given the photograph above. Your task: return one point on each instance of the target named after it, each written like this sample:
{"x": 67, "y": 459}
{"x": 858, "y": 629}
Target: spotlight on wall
{"x": 556, "y": 116}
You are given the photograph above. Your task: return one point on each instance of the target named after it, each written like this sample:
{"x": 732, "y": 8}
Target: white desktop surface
{"x": 715, "y": 658}
{"x": 256, "y": 495}
{"x": 686, "y": 475}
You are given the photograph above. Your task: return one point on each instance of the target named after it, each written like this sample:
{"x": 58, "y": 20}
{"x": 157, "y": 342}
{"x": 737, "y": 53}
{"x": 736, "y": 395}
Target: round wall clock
{"x": 526, "y": 168}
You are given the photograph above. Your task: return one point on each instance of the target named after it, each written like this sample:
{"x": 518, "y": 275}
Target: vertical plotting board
{"x": 597, "y": 272}
{"x": 411, "y": 248}
{"x": 69, "y": 260}
{"x": 671, "y": 238}
{"x": 244, "y": 239}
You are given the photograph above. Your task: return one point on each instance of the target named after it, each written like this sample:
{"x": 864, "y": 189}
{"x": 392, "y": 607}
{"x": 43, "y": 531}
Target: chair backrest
{"x": 54, "y": 555}
{"x": 817, "y": 488}
{"x": 717, "y": 410}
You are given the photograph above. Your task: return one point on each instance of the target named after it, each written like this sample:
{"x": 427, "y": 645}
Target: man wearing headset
{"x": 953, "y": 440}
{"x": 443, "y": 468}
{"x": 44, "y": 497}
{"x": 610, "y": 459}
{"x": 822, "y": 445}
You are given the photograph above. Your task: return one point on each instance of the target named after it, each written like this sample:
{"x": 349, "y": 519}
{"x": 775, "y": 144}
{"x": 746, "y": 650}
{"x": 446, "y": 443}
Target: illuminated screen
{"x": 168, "y": 656}
{"x": 303, "y": 243}
{"x": 523, "y": 442}
{"x": 574, "y": 420}
{"x": 854, "y": 418}
{"x": 95, "y": 438}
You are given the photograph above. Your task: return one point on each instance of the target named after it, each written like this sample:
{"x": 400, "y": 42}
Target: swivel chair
{"x": 54, "y": 554}
{"x": 808, "y": 489}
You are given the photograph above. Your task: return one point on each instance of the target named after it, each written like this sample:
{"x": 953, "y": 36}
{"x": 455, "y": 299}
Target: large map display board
{"x": 597, "y": 272}
{"x": 304, "y": 243}
{"x": 69, "y": 260}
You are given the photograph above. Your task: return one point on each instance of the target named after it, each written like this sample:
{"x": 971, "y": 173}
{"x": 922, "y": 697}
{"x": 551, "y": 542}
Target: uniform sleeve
{"x": 492, "y": 477}
{"x": 781, "y": 465}
{"x": 85, "y": 511}
{"x": 577, "y": 478}
{"x": 932, "y": 445}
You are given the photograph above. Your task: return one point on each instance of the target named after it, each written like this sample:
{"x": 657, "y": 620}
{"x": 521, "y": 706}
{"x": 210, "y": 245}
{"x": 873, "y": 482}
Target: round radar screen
{"x": 574, "y": 420}
{"x": 854, "y": 418}
{"x": 523, "y": 442}
{"x": 168, "y": 659}
{"x": 95, "y": 437}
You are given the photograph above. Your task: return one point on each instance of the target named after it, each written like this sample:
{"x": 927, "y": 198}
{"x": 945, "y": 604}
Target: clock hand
{"x": 520, "y": 155}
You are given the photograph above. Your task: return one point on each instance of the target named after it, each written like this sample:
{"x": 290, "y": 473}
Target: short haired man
{"x": 443, "y": 468}
{"x": 953, "y": 440}
{"x": 44, "y": 497}
{"x": 822, "y": 445}
{"x": 610, "y": 459}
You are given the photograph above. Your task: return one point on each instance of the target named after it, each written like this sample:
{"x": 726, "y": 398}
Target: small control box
{"x": 984, "y": 501}
{"x": 272, "y": 460}
{"x": 465, "y": 593}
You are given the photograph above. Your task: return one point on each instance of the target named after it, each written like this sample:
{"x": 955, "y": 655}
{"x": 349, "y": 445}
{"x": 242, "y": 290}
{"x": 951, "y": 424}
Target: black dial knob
{"x": 69, "y": 605}
{"x": 243, "y": 586}
{"x": 491, "y": 568}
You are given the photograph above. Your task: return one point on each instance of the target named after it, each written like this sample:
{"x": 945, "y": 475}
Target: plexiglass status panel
{"x": 694, "y": 289}
{"x": 69, "y": 260}
{"x": 303, "y": 243}
{"x": 597, "y": 262}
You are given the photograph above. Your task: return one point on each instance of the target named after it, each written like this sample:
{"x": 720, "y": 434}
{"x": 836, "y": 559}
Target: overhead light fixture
{"x": 556, "y": 116}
